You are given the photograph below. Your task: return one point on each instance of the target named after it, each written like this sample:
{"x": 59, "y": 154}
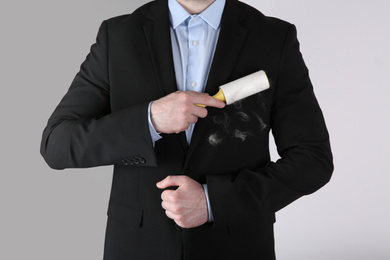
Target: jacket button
{"x": 125, "y": 162}
{"x": 142, "y": 160}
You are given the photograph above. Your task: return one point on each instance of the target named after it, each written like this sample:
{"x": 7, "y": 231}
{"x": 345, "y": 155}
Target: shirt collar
{"x": 212, "y": 15}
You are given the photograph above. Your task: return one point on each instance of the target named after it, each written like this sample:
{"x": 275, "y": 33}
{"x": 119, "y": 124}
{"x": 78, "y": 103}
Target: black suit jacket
{"x": 102, "y": 120}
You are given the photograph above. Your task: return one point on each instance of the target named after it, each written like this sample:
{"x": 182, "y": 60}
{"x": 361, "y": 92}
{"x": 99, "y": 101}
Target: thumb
{"x": 171, "y": 181}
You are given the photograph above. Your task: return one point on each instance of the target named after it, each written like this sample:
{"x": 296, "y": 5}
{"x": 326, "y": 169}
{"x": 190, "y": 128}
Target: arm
{"x": 83, "y": 132}
{"x": 302, "y": 141}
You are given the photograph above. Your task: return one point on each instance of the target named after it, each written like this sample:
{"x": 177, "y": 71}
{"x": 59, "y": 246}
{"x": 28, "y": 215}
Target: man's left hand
{"x": 186, "y": 205}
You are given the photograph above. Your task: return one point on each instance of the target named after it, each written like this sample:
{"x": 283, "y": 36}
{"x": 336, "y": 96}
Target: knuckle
{"x": 164, "y": 194}
{"x": 176, "y": 211}
{"x": 180, "y": 219}
{"x": 186, "y": 109}
{"x": 172, "y": 198}
{"x": 204, "y": 112}
{"x": 185, "y": 96}
{"x": 205, "y": 98}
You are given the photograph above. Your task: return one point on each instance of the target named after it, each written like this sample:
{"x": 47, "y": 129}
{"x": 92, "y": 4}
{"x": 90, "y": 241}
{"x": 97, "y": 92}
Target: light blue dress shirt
{"x": 194, "y": 39}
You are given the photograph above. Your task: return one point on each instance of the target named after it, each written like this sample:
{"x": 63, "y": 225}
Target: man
{"x": 134, "y": 105}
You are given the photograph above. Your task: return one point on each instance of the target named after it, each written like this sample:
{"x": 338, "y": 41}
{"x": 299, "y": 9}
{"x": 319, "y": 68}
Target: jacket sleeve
{"x": 302, "y": 142}
{"x": 84, "y": 132}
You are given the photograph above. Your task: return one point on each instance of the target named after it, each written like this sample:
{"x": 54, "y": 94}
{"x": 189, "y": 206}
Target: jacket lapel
{"x": 231, "y": 40}
{"x": 158, "y": 38}
{"x": 157, "y": 35}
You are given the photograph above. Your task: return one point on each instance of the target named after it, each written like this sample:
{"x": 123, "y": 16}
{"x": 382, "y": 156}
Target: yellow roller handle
{"x": 219, "y": 96}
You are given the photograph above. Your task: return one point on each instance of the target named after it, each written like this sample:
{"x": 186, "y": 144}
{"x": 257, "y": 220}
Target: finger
{"x": 198, "y": 111}
{"x": 207, "y": 100}
{"x": 165, "y": 205}
{"x": 167, "y": 195}
{"x": 192, "y": 119}
{"x": 171, "y": 215}
{"x": 172, "y": 180}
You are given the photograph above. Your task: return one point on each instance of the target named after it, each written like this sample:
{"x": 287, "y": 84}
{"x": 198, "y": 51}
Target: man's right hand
{"x": 175, "y": 112}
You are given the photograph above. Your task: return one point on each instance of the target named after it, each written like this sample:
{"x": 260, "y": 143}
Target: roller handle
{"x": 219, "y": 96}
{"x": 242, "y": 88}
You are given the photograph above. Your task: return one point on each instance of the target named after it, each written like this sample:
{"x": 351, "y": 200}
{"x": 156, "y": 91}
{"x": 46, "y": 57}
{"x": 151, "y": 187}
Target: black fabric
{"x": 102, "y": 120}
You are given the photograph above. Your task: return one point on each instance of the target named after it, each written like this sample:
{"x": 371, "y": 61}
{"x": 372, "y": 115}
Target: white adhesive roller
{"x": 245, "y": 87}
{"x": 242, "y": 87}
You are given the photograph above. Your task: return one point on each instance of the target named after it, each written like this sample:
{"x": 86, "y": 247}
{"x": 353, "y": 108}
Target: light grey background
{"x": 47, "y": 214}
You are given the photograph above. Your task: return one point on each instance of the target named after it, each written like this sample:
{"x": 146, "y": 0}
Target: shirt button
{"x": 193, "y": 84}
{"x": 195, "y": 43}
{"x": 195, "y": 19}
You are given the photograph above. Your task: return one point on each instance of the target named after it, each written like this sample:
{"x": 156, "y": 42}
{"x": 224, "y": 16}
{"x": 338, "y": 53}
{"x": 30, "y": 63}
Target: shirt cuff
{"x": 206, "y": 191}
{"x": 153, "y": 133}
